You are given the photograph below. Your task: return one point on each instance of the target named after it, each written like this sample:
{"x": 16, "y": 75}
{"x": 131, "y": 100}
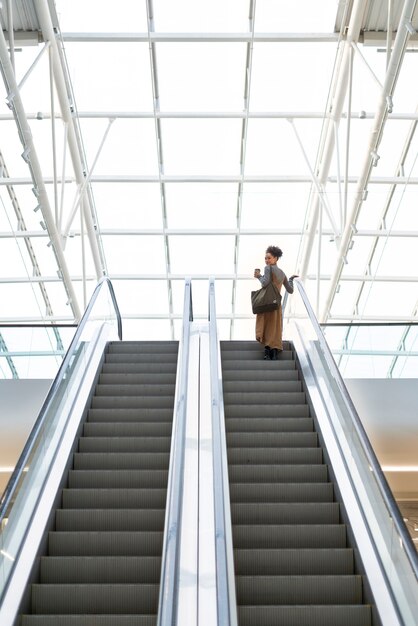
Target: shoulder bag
{"x": 267, "y": 298}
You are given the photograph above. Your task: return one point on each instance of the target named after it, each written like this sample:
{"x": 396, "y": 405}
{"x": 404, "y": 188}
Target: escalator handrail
{"x": 172, "y": 528}
{"x": 37, "y": 427}
{"x": 370, "y": 454}
{"x": 225, "y": 579}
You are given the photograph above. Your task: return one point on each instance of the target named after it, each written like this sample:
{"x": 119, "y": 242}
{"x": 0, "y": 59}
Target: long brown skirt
{"x": 268, "y": 328}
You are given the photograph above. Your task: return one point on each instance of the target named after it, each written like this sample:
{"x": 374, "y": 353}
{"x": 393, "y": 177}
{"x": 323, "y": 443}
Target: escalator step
{"x": 90, "y": 598}
{"x": 238, "y": 356}
{"x": 269, "y": 424}
{"x": 113, "y": 498}
{"x": 286, "y": 513}
{"x": 278, "y": 590}
{"x": 118, "y": 357}
{"x": 132, "y": 402}
{"x": 287, "y": 492}
{"x": 288, "y": 562}
{"x": 147, "y": 368}
{"x": 273, "y": 440}
{"x": 279, "y": 456}
{"x": 100, "y": 570}
{"x": 273, "y": 374}
{"x": 259, "y": 365}
{"x": 88, "y": 620}
{"x": 84, "y": 543}
{"x": 117, "y": 390}
{"x": 143, "y": 378}
{"x": 253, "y": 411}
{"x": 142, "y": 347}
{"x": 261, "y": 386}
{"x": 269, "y": 398}
{"x": 111, "y": 479}
{"x": 124, "y": 444}
{"x": 346, "y": 615}
{"x": 156, "y": 414}
{"x": 121, "y": 460}
{"x": 289, "y": 536}
{"x": 251, "y": 473}
{"x": 127, "y": 429}
{"x": 109, "y": 519}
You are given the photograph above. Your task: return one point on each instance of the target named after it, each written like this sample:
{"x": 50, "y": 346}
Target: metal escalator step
{"x": 289, "y": 536}
{"x": 253, "y": 411}
{"x": 117, "y": 390}
{"x": 269, "y": 424}
{"x": 331, "y": 615}
{"x": 90, "y": 598}
{"x": 255, "y": 366}
{"x": 281, "y": 492}
{"x": 261, "y": 386}
{"x": 245, "y": 344}
{"x": 251, "y": 473}
{"x": 262, "y": 374}
{"x": 145, "y": 378}
{"x": 299, "y": 589}
{"x": 267, "y": 440}
{"x": 124, "y": 444}
{"x": 280, "y": 456}
{"x": 141, "y": 358}
{"x": 114, "y": 498}
{"x": 100, "y": 570}
{"x": 150, "y": 347}
{"x": 268, "y": 398}
{"x": 144, "y": 414}
{"x": 112, "y": 479}
{"x": 286, "y": 513}
{"x": 291, "y": 562}
{"x": 121, "y": 460}
{"x": 127, "y": 429}
{"x": 70, "y": 520}
{"x": 132, "y": 402}
{"x": 253, "y": 355}
{"x": 85, "y": 543}
{"x": 88, "y": 620}
{"x": 139, "y": 368}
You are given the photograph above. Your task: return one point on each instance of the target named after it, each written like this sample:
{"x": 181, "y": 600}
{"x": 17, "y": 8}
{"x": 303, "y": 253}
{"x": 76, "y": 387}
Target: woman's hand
{"x": 257, "y": 273}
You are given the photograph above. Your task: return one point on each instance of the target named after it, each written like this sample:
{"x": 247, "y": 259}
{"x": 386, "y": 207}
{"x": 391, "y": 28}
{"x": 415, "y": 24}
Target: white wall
{"x": 388, "y": 409}
{"x": 20, "y": 402}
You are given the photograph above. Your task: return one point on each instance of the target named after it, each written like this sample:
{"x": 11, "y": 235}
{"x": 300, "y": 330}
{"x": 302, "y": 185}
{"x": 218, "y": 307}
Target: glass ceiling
{"x": 154, "y": 140}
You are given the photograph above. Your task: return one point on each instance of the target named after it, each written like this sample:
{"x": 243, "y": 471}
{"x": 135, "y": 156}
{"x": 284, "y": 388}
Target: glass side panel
{"x": 374, "y": 350}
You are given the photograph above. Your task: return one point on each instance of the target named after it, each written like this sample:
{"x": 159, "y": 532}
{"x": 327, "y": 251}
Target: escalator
{"x": 294, "y": 565}
{"x": 103, "y": 559}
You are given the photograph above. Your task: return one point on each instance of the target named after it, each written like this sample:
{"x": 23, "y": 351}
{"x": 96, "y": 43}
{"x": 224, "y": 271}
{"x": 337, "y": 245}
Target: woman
{"x": 268, "y": 326}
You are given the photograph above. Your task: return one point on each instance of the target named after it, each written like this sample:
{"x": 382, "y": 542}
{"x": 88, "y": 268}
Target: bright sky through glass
{"x": 206, "y": 136}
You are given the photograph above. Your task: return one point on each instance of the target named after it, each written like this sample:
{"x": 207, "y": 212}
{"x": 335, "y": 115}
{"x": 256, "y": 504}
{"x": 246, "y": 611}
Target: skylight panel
{"x": 128, "y": 205}
{"x": 143, "y": 297}
{"x": 200, "y": 254}
{"x": 283, "y": 205}
{"x": 201, "y": 205}
{"x": 201, "y": 147}
{"x": 201, "y": 76}
{"x": 200, "y": 16}
{"x": 291, "y": 77}
{"x": 296, "y": 17}
{"x": 117, "y": 76}
{"x": 134, "y": 254}
{"x": 101, "y": 16}
{"x": 130, "y": 147}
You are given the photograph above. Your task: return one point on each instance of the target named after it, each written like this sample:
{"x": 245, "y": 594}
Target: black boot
{"x": 274, "y": 354}
{"x": 267, "y": 353}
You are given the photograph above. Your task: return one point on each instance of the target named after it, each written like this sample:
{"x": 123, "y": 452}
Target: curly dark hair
{"x": 274, "y": 251}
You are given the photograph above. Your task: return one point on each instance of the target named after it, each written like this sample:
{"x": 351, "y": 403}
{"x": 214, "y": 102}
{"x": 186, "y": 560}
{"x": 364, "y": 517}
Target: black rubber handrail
{"x": 30, "y": 443}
